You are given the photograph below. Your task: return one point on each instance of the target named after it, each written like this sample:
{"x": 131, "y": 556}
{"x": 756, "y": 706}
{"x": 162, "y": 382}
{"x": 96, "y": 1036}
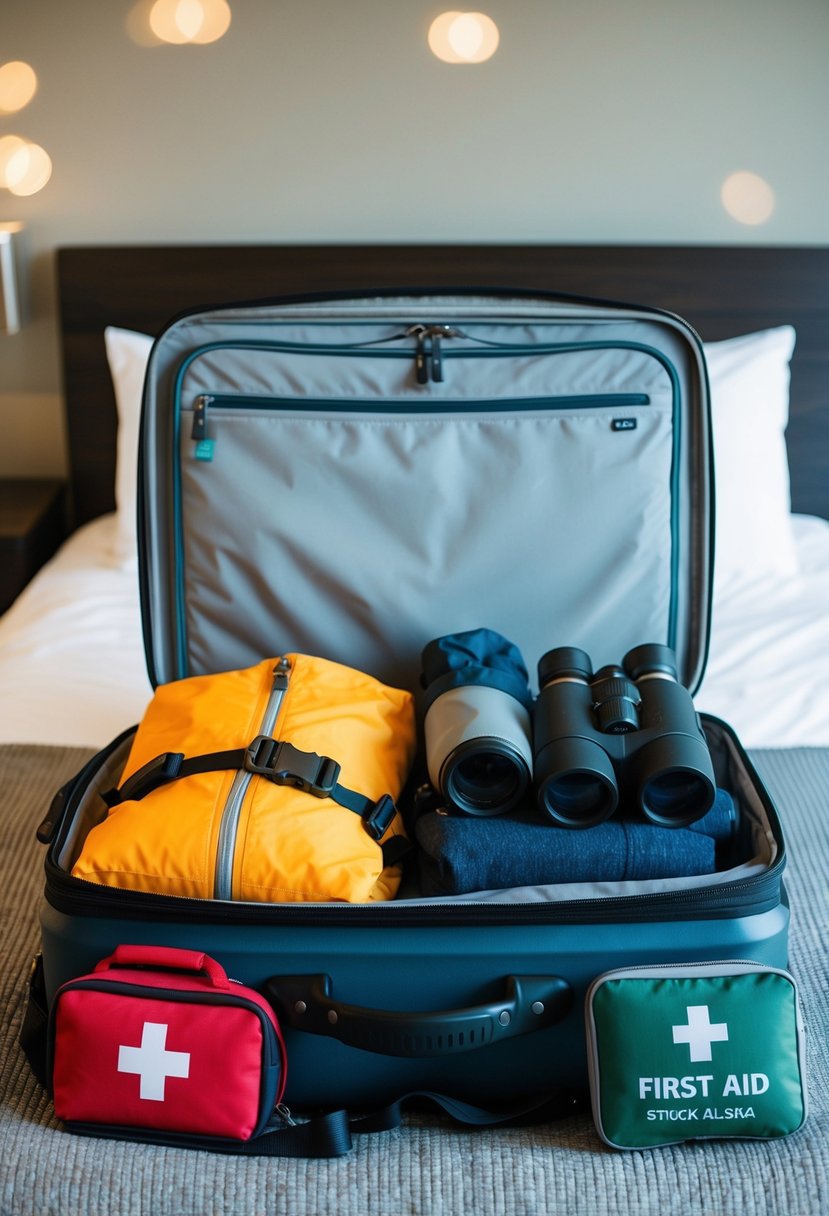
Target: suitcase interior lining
{"x": 350, "y": 576}
{"x": 757, "y": 845}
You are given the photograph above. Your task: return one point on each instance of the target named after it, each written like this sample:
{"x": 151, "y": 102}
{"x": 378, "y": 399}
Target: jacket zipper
{"x": 229, "y": 826}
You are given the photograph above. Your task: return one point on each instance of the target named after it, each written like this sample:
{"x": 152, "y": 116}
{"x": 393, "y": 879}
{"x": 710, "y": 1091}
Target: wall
{"x": 332, "y": 121}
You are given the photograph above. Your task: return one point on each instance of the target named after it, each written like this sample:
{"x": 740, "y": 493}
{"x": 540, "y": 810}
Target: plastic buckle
{"x": 379, "y": 819}
{"x": 285, "y": 764}
{"x": 149, "y": 777}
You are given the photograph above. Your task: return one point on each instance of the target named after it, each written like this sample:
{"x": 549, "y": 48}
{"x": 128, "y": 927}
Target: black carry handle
{"x": 530, "y": 1002}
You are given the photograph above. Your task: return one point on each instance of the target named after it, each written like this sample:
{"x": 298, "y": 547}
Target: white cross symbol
{"x": 700, "y": 1033}
{"x": 153, "y": 1062}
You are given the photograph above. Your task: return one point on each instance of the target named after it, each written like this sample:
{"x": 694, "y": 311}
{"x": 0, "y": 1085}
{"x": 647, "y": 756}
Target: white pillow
{"x": 749, "y": 379}
{"x": 127, "y": 355}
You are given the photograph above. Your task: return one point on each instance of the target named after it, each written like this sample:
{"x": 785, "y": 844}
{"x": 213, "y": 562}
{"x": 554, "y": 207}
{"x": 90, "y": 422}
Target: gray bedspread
{"x": 428, "y": 1166}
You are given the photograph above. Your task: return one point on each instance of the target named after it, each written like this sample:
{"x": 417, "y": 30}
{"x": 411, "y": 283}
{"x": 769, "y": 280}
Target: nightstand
{"x": 32, "y": 525}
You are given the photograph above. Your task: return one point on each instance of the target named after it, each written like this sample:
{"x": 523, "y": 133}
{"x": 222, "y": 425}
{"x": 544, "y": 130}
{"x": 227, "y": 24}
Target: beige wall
{"x": 607, "y": 120}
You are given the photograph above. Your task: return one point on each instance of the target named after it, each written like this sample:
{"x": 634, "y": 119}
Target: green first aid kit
{"x": 695, "y": 1051}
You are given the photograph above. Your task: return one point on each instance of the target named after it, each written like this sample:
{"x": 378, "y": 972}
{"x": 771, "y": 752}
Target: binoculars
{"x": 626, "y": 732}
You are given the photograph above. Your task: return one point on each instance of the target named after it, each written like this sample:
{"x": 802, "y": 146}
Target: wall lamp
{"x": 9, "y": 294}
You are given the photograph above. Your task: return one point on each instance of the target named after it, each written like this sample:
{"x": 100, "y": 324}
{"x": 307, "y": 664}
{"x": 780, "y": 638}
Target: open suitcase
{"x": 351, "y": 478}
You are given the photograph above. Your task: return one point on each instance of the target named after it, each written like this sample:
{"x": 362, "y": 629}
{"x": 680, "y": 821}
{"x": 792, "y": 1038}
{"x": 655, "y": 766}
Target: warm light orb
{"x": 18, "y": 85}
{"x": 747, "y": 197}
{"x": 216, "y": 21}
{"x": 28, "y": 170}
{"x": 9, "y": 146}
{"x": 180, "y": 21}
{"x": 463, "y": 37}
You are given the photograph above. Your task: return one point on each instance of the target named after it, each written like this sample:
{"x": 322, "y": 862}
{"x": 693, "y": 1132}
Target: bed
{"x": 73, "y": 676}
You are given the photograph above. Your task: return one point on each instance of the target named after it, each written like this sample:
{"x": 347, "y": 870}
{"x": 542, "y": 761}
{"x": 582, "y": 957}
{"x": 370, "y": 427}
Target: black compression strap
{"x": 274, "y": 759}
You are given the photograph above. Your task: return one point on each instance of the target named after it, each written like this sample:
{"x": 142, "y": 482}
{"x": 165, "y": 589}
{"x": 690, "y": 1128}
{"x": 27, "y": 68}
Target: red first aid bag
{"x": 157, "y": 1037}
{"x": 158, "y": 1044}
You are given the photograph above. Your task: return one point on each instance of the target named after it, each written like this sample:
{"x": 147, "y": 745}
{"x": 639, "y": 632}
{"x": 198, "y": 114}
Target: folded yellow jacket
{"x": 277, "y": 783}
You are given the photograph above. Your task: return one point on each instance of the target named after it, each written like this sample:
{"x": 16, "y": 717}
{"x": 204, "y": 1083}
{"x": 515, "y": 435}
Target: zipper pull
{"x": 204, "y": 446}
{"x": 437, "y": 355}
{"x": 199, "y": 430}
{"x": 437, "y": 333}
{"x": 285, "y": 1114}
{"x": 421, "y": 357}
{"x": 280, "y": 675}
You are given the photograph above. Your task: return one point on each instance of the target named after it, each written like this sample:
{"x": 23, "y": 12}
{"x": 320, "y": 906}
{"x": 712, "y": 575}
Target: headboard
{"x": 722, "y": 291}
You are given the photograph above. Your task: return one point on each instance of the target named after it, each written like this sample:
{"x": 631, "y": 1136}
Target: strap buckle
{"x": 149, "y": 777}
{"x": 379, "y": 819}
{"x": 284, "y": 764}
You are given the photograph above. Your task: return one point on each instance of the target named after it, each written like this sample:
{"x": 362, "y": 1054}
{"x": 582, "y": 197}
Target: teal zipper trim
{"x": 232, "y": 401}
{"x": 229, "y": 826}
{"x": 367, "y": 350}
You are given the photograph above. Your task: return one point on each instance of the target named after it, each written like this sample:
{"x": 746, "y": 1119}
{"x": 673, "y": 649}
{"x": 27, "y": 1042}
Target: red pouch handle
{"x": 167, "y": 956}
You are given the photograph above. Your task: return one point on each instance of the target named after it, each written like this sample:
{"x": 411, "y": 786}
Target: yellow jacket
{"x": 233, "y": 832}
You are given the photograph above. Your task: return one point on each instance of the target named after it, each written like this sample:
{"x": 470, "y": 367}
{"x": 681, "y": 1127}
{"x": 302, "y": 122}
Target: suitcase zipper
{"x": 743, "y": 897}
{"x": 234, "y": 401}
{"x": 229, "y": 826}
{"x": 428, "y": 350}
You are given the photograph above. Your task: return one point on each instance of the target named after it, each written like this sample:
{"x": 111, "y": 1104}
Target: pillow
{"x": 127, "y": 355}
{"x": 749, "y": 379}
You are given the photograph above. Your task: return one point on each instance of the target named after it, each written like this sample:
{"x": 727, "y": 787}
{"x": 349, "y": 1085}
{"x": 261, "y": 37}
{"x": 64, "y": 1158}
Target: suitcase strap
{"x": 276, "y": 760}
{"x": 543, "y": 1108}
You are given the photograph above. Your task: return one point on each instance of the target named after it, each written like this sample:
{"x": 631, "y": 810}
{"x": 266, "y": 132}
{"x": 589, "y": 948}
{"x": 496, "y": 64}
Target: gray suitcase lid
{"x": 354, "y": 477}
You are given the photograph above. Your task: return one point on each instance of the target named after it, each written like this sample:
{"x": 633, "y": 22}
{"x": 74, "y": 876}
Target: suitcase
{"x": 352, "y": 477}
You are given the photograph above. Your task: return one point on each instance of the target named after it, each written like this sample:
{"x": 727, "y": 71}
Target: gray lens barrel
{"x": 478, "y": 749}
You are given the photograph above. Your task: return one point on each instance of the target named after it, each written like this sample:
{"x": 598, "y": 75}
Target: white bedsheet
{"x": 768, "y": 666}
{"x": 72, "y": 664}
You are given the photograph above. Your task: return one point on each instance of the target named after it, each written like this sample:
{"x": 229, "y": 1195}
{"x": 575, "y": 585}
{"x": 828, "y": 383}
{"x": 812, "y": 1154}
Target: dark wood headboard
{"x": 722, "y": 291}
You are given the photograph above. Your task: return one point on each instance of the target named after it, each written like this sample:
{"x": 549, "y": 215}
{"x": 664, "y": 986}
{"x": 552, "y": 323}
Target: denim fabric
{"x": 459, "y": 854}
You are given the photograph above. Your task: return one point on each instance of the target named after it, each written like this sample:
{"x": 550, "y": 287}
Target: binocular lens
{"x": 675, "y": 798}
{"x": 485, "y": 777}
{"x": 578, "y": 799}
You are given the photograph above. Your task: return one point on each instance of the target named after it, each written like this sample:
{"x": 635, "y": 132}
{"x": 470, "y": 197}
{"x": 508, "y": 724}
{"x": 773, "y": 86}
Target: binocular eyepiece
{"x": 626, "y": 730}
{"x": 632, "y": 727}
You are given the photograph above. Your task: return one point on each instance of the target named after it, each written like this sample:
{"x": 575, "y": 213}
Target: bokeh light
{"x": 18, "y": 85}
{"x": 180, "y": 21}
{"x": 747, "y": 197}
{"x": 9, "y": 145}
{"x": 27, "y": 170}
{"x": 458, "y": 37}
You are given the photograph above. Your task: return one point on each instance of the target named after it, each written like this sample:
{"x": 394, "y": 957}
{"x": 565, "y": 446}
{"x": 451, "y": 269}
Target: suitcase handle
{"x": 530, "y": 1002}
{"x": 169, "y": 957}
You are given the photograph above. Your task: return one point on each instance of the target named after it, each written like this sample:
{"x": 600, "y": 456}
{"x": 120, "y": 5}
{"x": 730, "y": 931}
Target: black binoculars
{"x": 630, "y": 728}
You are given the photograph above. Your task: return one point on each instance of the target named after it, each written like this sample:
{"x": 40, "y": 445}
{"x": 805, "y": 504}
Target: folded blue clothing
{"x": 721, "y": 820}
{"x": 459, "y": 854}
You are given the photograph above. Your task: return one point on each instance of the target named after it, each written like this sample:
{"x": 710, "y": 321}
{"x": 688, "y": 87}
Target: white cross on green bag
{"x": 695, "y": 1051}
